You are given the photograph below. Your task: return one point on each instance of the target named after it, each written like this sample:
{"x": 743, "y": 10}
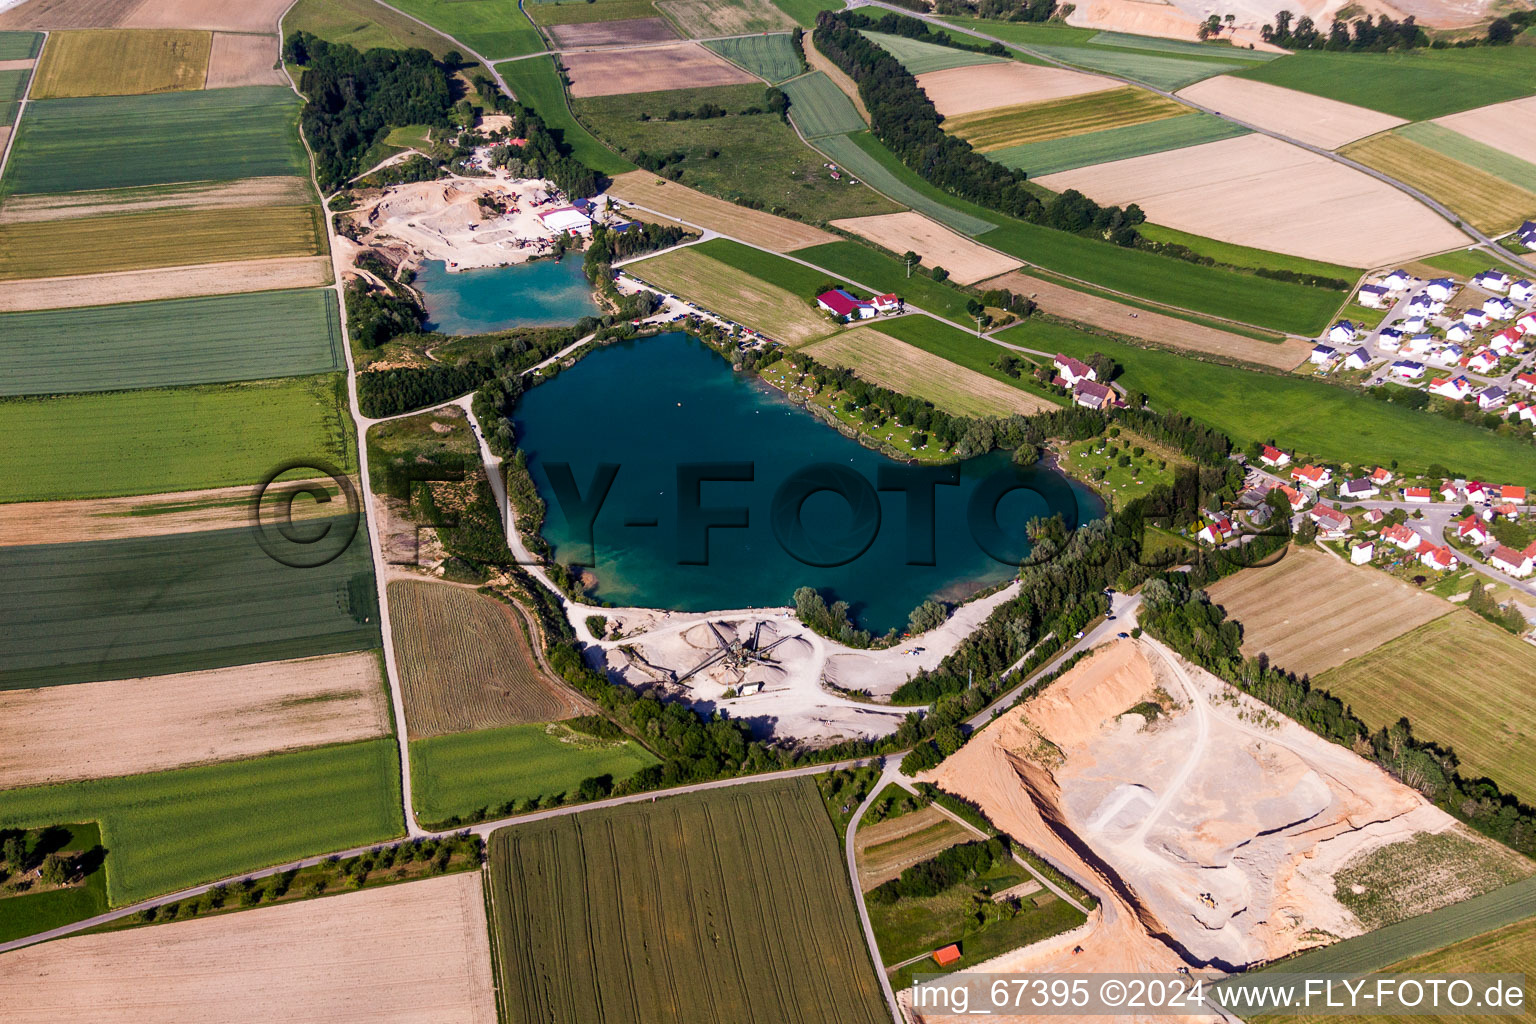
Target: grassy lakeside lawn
{"x": 169, "y": 830}
{"x": 121, "y": 609}
{"x": 772, "y": 57}
{"x": 1242, "y": 297}
{"x": 888, "y": 274}
{"x": 97, "y": 142}
{"x": 1247, "y": 256}
{"x": 182, "y": 341}
{"x": 158, "y": 238}
{"x": 1119, "y": 484}
{"x": 492, "y": 28}
{"x": 962, "y": 349}
{"x": 365, "y": 25}
{"x": 536, "y": 84}
{"x": 758, "y": 157}
{"x": 109, "y": 62}
{"x": 1417, "y": 85}
{"x": 751, "y": 298}
{"x": 830, "y": 407}
{"x": 1488, "y": 718}
{"x": 31, "y": 913}
{"x": 1311, "y": 416}
{"x": 171, "y": 439}
{"x": 497, "y": 770}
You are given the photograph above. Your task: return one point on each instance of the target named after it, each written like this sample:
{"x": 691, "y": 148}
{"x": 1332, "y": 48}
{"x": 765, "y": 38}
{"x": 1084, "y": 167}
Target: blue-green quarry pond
{"x": 650, "y": 406}
{"x": 536, "y": 294}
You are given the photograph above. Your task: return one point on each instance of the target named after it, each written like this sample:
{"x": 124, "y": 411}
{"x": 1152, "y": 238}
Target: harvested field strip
{"x": 649, "y": 69}
{"x": 237, "y": 60}
{"x": 1471, "y": 152}
{"x": 959, "y": 348}
{"x": 885, "y": 850}
{"x": 20, "y": 45}
{"x": 118, "y": 141}
{"x": 118, "y": 62}
{"x": 184, "y": 341}
{"x": 769, "y": 57}
{"x": 1508, "y": 127}
{"x": 846, "y": 152}
{"x": 158, "y": 238}
{"x": 171, "y": 439}
{"x": 1002, "y": 127}
{"x": 150, "y": 606}
{"x": 1316, "y": 120}
{"x": 1489, "y": 203}
{"x": 881, "y": 359}
{"x": 965, "y": 90}
{"x": 492, "y": 28}
{"x": 202, "y": 195}
{"x": 1132, "y": 140}
{"x": 1488, "y": 716}
{"x": 1159, "y": 328}
{"x": 578, "y": 12}
{"x": 165, "y": 283}
{"x": 1133, "y": 42}
{"x": 1160, "y": 70}
{"x": 966, "y": 261}
{"x": 745, "y": 887}
{"x": 684, "y": 204}
{"x": 169, "y": 830}
{"x": 536, "y": 84}
{"x": 819, "y": 108}
{"x": 701, "y": 18}
{"x": 782, "y": 315}
{"x": 338, "y": 958}
{"x": 454, "y": 776}
{"x": 365, "y": 25}
{"x": 920, "y": 57}
{"x": 465, "y": 663}
{"x": 1312, "y": 611}
{"x": 626, "y": 32}
{"x": 131, "y": 726}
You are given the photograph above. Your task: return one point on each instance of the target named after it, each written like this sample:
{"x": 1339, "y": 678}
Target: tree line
{"x": 1370, "y": 34}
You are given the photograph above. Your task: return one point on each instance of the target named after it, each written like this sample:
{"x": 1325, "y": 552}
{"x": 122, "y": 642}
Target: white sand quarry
{"x": 443, "y": 220}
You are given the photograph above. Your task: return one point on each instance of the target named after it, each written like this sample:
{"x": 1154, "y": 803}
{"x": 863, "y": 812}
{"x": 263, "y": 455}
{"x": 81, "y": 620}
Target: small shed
{"x": 948, "y": 955}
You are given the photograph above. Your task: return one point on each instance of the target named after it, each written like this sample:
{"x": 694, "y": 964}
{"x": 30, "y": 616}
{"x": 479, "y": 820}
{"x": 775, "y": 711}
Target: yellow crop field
{"x": 1488, "y": 203}
{"x": 121, "y": 62}
{"x": 1001, "y": 127}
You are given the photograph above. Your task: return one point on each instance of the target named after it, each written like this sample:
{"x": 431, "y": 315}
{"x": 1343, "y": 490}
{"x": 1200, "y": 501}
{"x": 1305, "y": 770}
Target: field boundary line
{"x": 21, "y": 107}
{"x": 891, "y": 768}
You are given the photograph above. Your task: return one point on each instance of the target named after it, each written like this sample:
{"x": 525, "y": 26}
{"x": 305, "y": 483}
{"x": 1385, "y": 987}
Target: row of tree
{"x": 1370, "y": 34}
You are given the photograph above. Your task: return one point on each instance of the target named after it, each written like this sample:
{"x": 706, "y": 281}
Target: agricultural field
{"x": 920, "y": 58}
{"x": 966, "y": 90}
{"x": 704, "y": 18}
{"x": 100, "y": 142}
{"x": 1257, "y": 191}
{"x": 782, "y": 315}
{"x": 579, "y": 12}
{"x": 183, "y": 341}
{"x": 623, "y": 32}
{"x": 1409, "y": 877}
{"x": 818, "y": 107}
{"x": 966, "y": 261}
{"x": 496, "y": 770}
{"x": 169, "y": 830}
{"x": 536, "y": 84}
{"x": 1491, "y": 203}
{"x": 1312, "y": 611}
{"x": 158, "y": 238}
{"x": 170, "y": 439}
{"x": 340, "y": 957}
{"x": 1124, "y": 143}
{"x": 885, "y": 849}
{"x": 961, "y": 348}
{"x": 851, "y": 154}
{"x": 102, "y": 610}
{"x": 364, "y": 25}
{"x": 132, "y": 726}
{"x": 1328, "y": 421}
{"x": 881, "y": 359}
{"x": 492, "y": 28}
{"x": 1488, "y": 716}
{"x": 1247, "y": 256}
{"x": 1160, "y": 70}
{"x": 111, "y": 62}
{"x": 465, "y": 663}
{"x": 1507, "y": 127}
{"x": 1299, "y": 115}
{"x": 20, "y": 45}
{"x": 276, "y": 190}
{"x": 165, "y": 283}
{"x": 649, "y": 69}
{"x": 13, "y": 86}
{"x": 672, "y": 200}
{"x": 1415, "y": 86}
{"x": 757, "y": 157}
{"x": 1205, "y": 51}
{"x": 1002, "y": 127}
{"x": 771, "y": 57}
{"x": 804, "y": 11}
{"x": 763, "y": 911}
{"x": 237, "y": 60}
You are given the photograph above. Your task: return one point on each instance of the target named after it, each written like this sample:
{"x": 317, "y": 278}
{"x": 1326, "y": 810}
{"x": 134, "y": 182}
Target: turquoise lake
{"x": 536, "y": 294}
{"x": 648, "y": 407}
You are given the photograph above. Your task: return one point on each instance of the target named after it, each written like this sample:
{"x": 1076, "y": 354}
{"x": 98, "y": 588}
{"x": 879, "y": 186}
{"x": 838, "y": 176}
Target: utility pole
{"x": 979, "y": 318}
{"x": 909, "y": 266}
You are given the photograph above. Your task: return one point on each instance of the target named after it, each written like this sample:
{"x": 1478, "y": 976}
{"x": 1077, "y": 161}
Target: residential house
{"x": 1483, "y": 361}
{"x": 1477, "y": 493}
{"x": 1526, "y": 380}
{"x": 1500, "y": 309}
{"x": 1527, "y": 322}
{"x": 1477, "y": 318}
{"x": 1472, "y": 531}
{"x": 1459, "y": 331}
{"x": 844, "y": 305}
{"x": 1417, "y": 495}
{"x": 1398, "y": 281}
{"x": 1507, "y": 342}
{"x": 1362, "y": 553}
{"x": 1342, "y": 333}
{"x": 888, "y": 303}
{"x": 1374, "y": 516}
{"x": 1381, "y": 476}
{"x": 1440, "y": 289}
{"x": 1509, "y": 492}
{"x": 1438, "y": 557}
{"x": 1216, "y": 530}
{"x": 1418, "y": 344}
{"x": 1074, "y": 370}
{"x": 1389, "y": 339}
{"x": 1092, "y": 395}
{"x": 1359, "y": 359}
{"x": 1526, "y": 234}
{"x": 1492, "y": 281}
{"x": 1330, "y": 521}
{"x": 1407, "y": 369}
{"x": 1313, "y": 476}
{"x": 1323, "y": 354}
{"x": 1297, "y": 499}
{"x": 1508, "y": 510}
{"x": 1374, "y": 296}
{"x": 1522, "y": 291}
{"x": 1516, "y": 563}
{"x": 1448, "y": 356}
{"x": 1453, "y": 388}
{"x": 1412, "y": 324}
{"x": 1448, "y": 491}
{"x": 1404, "y": 538}
{"x": 1491, "y": 397}
{"x": 1274, "y": 457}
{"x": 1358, "y": 489}
{"x": 1521, "y": 412}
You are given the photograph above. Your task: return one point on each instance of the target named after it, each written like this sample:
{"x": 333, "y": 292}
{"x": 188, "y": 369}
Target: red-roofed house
{"x": 1330, "y": 521}
{"x": 1315, "y": 476}
{"x": 1403, "y": 537}
{"x": 888, "y": 303}
{"x": 1274, "y": 457}
{"x": 1448, "y": 491}
{"x": 1476, "y": 491}
{"x": 1527, "y": 381}
{"x": 1472, "y": 531}
{"x": 1381, "y": 475}
{"x": 1092, "y": 395}
{"x": 1074, "y": 370}
{"x": 1438, "y": 557}
{"x": 1296, "y": 498}
{"x": 1417, "y": 495}
{"x": 1215, "y": 530}
{"x": 1509, "y": 510}
{"x": 1516, "y": 563}
{"x": 1510, "y": 492}
{"x": 1374, "y": 515}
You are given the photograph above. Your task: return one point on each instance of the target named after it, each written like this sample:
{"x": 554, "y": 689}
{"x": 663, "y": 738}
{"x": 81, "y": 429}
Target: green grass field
{"x": 1417, "y": 85}
{"x": 757, "y": 157}
{"x": 116, "y": 141}
{"x": 818, "y": 107}
{"x": 800, "y": 281}
{"x": 492, "y": 28}
{"x": 1149, "y": 66}
{"x": 1018, "y": 125}
{"x": 748, "y": 296}
{"x": 31, "y": 913}
{"x": 1487, "y": 717}
{"x": 13, "y": 86}
{"x": 182, "y": 341}
{"x": 1217, "y": 50}
{"x": 1463, "y": 263}
{"x": 115, "y": 609}
{"x": 958, "y": 347}
{"x": 1132, "y": 140}
{"x": 887, "y": 274}
{"x": 804, "y": 11}
{"x": 365, "y": 25}
{"x": 169, "y": 830}
{"x": 1471, "y": 152}
{"x": 20, "y": 45}
{"x": 705, "y": 19}
{"x": 771, "y": 57}
{"x": 1243, "y": 297}
{"x": 1028, "y": 33}
{"x": 579, "y": 12}
{"x": 744, "y": 887}
{"x": 537, "y": 85}
{"x": 1245, "y": 256}
{"x": 853, "y": 153}
{"x": 919, "y": 57}
{"x": 1315, "y": 417}
{"x": 457, "y": 774}
{"x": 158, "y": 238}
{"x": 171, "y": 439}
